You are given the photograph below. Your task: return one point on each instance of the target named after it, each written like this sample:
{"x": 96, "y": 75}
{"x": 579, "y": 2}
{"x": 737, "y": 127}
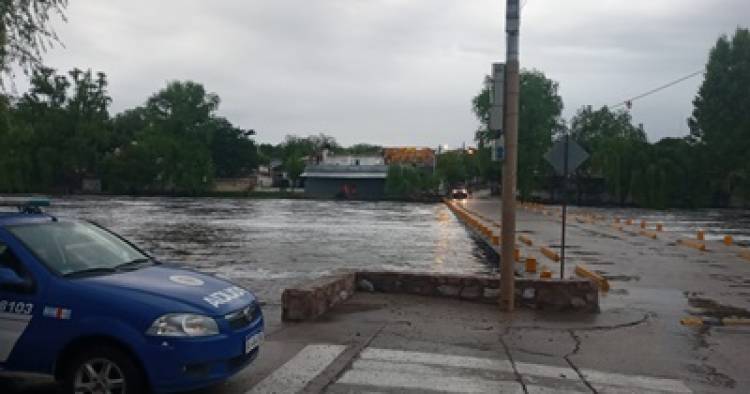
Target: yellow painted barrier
{"x": 691, "y": 321}
{"x": 531, "y": 264}
{"x": 701, "y": 236}
{"x": 549, "y": 253}
{"x": 693, "y": 244}
{"x": 525, "y": 239}
{"x": 602, "y": 282}
{"x": 728, "y": 240}
{"x": 647, "y": 233}
{"x": 745, "y": 254}
{"x": 735, "y": 321}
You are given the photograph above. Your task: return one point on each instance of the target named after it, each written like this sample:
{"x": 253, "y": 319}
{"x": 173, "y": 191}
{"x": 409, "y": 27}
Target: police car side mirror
{"x": 9, "y": 280}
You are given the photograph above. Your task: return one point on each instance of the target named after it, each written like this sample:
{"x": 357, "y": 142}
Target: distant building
{"x": 418, "y": 157}
{"x": 346, "y": 176}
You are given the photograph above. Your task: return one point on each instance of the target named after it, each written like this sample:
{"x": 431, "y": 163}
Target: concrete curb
{"x": 314, "y": 298}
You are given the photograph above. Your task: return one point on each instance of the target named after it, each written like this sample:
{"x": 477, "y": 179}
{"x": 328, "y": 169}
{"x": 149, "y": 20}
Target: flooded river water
{"x": 269, "y": 244}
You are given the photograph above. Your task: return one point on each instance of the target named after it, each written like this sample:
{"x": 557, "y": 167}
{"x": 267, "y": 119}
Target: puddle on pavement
{"x": 710, "y": 308}
{"x": 585, "y": 253}
{"x": 622, "y": 278}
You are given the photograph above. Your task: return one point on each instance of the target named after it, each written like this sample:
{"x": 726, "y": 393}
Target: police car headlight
{"x": 183, "y": 325}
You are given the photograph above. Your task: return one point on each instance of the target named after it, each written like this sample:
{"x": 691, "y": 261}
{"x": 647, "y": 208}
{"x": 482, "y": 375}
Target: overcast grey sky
{"x": 393, "y": 72}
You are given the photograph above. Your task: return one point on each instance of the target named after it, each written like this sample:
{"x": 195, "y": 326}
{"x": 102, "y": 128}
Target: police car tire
{"x": 134, "y": 379}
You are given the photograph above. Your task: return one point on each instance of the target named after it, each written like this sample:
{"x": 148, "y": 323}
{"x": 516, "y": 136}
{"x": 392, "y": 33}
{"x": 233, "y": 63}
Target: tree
{"x": 364, "y": 149}
{"x": 721, "y": 120}
{"x": 616, "y": 147}
{"x": 25, "y": 32}
{"x": 294, "y": 166}
{"x": 451, "y": 168}
{"x": 539, "y": 120}
{"x": 409, "y": 182}
{"x": 67, "y": 129}
{"x": 233, "y": 151}
{"x": 171, "y": 149}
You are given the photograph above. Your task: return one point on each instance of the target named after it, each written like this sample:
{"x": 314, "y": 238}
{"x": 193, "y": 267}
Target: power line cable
{"x": 629, "y": 102}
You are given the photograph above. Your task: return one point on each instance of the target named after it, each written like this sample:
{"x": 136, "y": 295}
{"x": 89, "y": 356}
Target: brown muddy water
{"x": 267, "y": 245}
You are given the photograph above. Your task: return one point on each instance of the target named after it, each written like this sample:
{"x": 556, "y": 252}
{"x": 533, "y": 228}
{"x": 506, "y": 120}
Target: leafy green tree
{"x": 616, "y": 147}
{"x": 267, "y": 152}
{"x": 171, "y": 151}
{"x": 409, "y": 182}
{"x": 364, "y": 149}
{"x": 233, "y": 151}
{"x": 66, "y": 128}
{"x": 25, "y": 32}
{"x": 451, "y": 168}
{"x": 294, "y": 165}
{"x": 721, "y": 120}
{"x": 539, "y": 120}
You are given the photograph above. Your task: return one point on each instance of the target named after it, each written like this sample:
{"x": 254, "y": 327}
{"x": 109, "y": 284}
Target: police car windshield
{"x": 71, "y": 248}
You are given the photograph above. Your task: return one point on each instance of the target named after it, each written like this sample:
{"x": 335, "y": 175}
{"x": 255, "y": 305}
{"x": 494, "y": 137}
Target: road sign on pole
{"x": 556, "y": 156}
{"x": 497, "y": 99}
{"x": 565, "y": 156}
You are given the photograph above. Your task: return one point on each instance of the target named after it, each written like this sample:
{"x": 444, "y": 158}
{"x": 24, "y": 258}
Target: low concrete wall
{"x": 544, "y": 294}
{"x": 314, "y": 298}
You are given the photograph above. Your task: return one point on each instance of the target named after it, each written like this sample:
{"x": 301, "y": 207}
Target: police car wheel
{"x": 103, "y": 370}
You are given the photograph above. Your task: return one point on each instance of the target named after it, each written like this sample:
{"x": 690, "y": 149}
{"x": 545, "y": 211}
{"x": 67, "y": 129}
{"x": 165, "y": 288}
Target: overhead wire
{"x": 629, "y": 102}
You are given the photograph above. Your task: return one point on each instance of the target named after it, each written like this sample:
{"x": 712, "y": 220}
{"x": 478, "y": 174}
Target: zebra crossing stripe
{"x": 300, "y": 370}
{"x": 446, "y": 360}
{"x": 609, "y": 382}
{"x": 405, "y": 380}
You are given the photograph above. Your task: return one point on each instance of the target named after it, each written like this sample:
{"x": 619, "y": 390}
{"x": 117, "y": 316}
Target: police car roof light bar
{"x": 28, "y": 205}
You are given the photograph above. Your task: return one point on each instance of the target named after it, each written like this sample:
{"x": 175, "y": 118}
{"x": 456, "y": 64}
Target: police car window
{"x": 69, "y": 247}
{"x": 9, "y": 260}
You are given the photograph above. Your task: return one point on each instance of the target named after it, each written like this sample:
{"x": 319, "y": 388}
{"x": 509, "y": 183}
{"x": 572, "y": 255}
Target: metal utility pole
{"x": 564, "y": 206}
{"x": 512, "y": 88}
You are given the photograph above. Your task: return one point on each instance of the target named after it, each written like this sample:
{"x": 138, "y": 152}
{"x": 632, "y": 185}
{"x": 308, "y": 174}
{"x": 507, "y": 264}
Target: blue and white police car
{"x": 84, "y": 305}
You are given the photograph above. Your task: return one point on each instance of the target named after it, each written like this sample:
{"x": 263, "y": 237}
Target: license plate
{"x": 252, "y": 342}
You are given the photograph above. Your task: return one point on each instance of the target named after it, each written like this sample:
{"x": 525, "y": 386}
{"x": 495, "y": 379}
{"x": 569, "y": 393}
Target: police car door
{"x": 17, "y": 298}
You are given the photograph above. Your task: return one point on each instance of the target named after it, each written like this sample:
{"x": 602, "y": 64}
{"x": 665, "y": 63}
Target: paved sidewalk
{"x": 393, "y": 343}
